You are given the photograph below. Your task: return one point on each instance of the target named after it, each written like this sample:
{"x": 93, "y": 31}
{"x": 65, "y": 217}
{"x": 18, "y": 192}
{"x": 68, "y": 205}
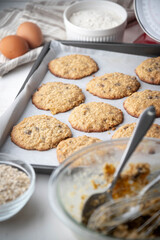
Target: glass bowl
{"x": 10, "y": 208}
{"x": 75, "y": 179}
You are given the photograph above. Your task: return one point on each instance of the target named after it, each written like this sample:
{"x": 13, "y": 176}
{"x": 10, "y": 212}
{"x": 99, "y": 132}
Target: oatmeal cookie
{"x": 127, "y": 130}
{"x": 113, "y": 85}
{"x": 39, "y": 132}
{"x": 66, "y": 147}
{"x": 95, "y": 117}
{"x": 57, "y": 97}
{"x": 139, "y": 101}
{"x": 149, "y": 70}
{"x": 74, "y": 66}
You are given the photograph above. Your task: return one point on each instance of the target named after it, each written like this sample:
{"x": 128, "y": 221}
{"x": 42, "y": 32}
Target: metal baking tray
{"x": 135, "y": 49}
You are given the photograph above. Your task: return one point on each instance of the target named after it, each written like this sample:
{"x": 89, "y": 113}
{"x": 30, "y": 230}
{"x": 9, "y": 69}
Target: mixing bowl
{"x": 82, "y": 174}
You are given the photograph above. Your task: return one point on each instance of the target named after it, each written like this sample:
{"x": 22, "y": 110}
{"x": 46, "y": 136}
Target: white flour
{"x": 95, "y": 19}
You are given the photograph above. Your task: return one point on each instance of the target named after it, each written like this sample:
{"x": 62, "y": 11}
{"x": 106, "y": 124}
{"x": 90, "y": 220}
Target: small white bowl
{"x": 9, "y": 209}
{"x": 113, "y": 34}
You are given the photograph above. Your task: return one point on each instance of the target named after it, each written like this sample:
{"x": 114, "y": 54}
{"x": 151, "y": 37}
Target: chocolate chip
{"x": 128, "y": 87}
{"x": 150, "y": 97}
{"x": 117, "y": 84}
{"x": 43, "y": 139}
{"x": 105, "y": 120}
{"x": 37, "y": 129}
{"x": 149, "y": 69}
{"x": 152, "y": 79}
{"x": 157, "y": 97}
{"x": 59, "y": 126}
{"x": 100, "y": 85}
{"x": 28, "y": 132}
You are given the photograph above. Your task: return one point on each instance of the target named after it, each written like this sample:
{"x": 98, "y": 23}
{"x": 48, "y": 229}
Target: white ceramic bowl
{"x": 69, "y": 182}
{"x": 11, "y": 208}
{"x": 114, "y": 34}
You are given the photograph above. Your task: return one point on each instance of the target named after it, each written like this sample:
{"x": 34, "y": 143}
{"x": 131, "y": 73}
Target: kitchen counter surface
{"x": 36, "y": 220}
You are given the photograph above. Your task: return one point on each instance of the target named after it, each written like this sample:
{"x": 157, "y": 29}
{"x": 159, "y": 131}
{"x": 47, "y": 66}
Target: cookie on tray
{"x": 39, "y": 132}
{"x": 74, "y": 66}
{"x": 149, "y": 70}
{"x": 113, "y": 85}
{"x": 58, "y": 97}
{"x": 127, "y": 130}
{"x": 139, "y": 101}
{"x": 66, "y": 147}
{"x": 95, "y": 117}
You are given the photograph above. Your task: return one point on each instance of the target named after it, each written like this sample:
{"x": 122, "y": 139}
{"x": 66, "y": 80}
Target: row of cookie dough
{"x": 76, "y": 66}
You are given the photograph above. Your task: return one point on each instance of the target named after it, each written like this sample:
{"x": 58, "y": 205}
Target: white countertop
{"x": 36, "y": 220}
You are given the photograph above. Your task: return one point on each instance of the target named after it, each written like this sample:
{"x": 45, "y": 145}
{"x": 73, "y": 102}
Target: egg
{"x": 13, "y": 46}
{"x": 31, "y": 33}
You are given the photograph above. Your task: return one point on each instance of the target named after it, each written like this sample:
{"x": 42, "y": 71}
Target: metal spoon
{"x": 123, "y": 210}
{"x": 145, "y": 121}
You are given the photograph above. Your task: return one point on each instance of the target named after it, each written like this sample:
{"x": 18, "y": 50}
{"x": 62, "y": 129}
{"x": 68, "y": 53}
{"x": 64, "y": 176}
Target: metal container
{"x": 147, "y": 14}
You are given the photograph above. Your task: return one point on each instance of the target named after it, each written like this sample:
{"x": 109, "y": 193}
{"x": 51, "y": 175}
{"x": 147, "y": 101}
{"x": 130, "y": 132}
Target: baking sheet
{"x": 107, "y": 61}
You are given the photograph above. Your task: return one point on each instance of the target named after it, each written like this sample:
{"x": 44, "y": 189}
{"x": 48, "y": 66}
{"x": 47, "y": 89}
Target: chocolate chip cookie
{"x": 74, "y": 66}
{"x": 39, "y": 132}
{"x": 127, "y": 130}
{"x": 57, "y": 97}
{"x": 95, "y": 117}
{"x": 66, "y": 147}
{"x": 149, "y": 70}
{"x": 139, "y": 101}
{"x": 113, "y": 85}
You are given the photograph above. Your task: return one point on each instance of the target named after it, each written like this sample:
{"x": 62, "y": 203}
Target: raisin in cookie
{"x": 57, "y": 97}
{"x": 139, "y": 101}
{"x": 95, "y": 117}
{"x": 39, "y": 132}
{"x": 113, "y": 85}
{"x": 149, "y": 70}
{"x": 66, "y": 147}
{"x": 74, "y": 66}
{"x": 127, "y": 130}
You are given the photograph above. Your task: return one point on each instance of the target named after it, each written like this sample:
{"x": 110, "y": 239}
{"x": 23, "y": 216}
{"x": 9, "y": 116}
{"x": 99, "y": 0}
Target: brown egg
{"x": 13, "y": 46}
{"x": 31, "y": 33}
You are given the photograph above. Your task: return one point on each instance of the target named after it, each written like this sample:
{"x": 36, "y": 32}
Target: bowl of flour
{"x": 95, "y": 21}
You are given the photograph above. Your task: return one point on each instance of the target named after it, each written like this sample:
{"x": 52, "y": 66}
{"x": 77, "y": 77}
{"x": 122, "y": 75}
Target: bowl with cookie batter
{"x": 95, "y": 21}
{"x": 90, "y": 170}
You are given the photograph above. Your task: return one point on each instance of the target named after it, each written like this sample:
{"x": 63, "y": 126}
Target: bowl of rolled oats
{"x": 17, "y": 183}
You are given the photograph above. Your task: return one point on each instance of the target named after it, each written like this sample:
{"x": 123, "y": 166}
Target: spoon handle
{"x": 145, "y": 121}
